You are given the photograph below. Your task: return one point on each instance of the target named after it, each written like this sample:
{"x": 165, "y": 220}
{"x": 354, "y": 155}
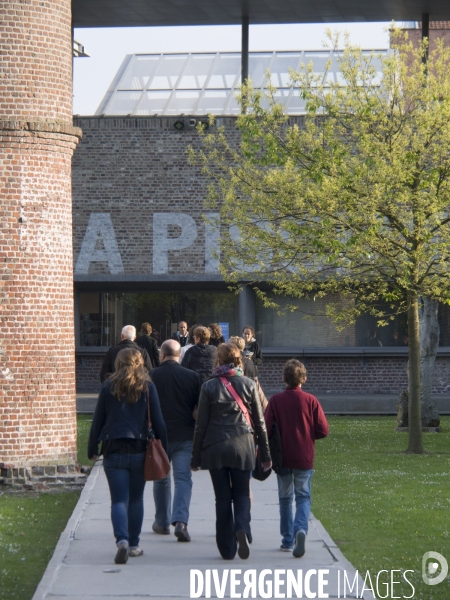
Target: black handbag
{"x": 258, "y": 472}
{"x": 276, "y": 451}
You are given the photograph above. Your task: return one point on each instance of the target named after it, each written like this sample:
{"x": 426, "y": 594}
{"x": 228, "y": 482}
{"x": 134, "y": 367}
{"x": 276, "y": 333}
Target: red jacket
{"x": 301, "y": 421}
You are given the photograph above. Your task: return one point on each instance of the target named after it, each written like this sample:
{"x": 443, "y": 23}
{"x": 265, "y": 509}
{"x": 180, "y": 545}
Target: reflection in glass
{"x": 102, "y": 315}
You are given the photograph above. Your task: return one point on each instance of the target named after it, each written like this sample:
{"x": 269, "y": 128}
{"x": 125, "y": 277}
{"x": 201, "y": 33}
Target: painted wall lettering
{"x": 100, "y": 227}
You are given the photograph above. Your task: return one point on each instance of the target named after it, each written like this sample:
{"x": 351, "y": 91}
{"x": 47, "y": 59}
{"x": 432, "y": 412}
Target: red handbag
{"x": 157, "y": 465}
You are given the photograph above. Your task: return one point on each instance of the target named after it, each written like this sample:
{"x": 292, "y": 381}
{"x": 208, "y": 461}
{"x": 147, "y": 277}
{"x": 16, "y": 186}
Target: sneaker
{"x": 299, "y": 548}
{"x": 243, "y": 549}
{"x": 133, "y": 552}
{"x": 159, "y": 529}
{"x": 122, "y": 553}
{"x": 285, "y": 548}
{"x": 181, "y": 532}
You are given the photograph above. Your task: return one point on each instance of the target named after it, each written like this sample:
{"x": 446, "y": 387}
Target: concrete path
{"x": 83, "y": 563}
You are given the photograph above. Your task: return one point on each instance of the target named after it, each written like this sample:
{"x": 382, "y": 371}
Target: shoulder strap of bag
{"x": 235, "y": 395}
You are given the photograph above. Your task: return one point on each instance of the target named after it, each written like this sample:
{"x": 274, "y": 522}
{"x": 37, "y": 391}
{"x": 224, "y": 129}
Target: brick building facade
{"x": 140, "y": 239}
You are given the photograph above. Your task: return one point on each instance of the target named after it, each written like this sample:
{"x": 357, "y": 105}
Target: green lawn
{"x": 30, "y": 526}
{"x": 383, "y": 508}
{"x": 84, "y": 426}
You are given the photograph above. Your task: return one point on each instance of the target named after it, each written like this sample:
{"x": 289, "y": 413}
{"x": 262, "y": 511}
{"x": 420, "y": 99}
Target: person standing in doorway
{"x": 181, "y": 336}
{"x": 300, "y": 421}
{"x": 252, "y": 349}
{"x": 178, "y": 391}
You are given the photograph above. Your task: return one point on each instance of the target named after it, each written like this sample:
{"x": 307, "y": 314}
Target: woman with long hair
{"x": 121, "y": 424}
{"x": 224, "y": 444}
{"x": 216, "y": 334}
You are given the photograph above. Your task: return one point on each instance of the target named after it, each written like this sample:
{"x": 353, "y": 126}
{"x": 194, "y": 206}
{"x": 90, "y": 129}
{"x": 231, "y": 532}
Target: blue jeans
{"x": 179, "y": 454}
{"x": 294, "y": 482}
{"x": 125, "y": 475}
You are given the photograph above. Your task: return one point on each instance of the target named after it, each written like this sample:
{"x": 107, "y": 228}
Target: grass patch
{"x": 30, "y": 526}
{"x": 84, "y": 426}
{"x": 384, "y": 508}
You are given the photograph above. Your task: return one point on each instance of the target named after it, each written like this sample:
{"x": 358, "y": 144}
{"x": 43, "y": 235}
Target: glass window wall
{"x": 102, "y": 315}
{"x": 309, "y": 327}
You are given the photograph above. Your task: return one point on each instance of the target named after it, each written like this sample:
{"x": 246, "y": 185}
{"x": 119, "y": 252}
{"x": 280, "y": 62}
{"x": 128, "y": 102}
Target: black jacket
{"x": 178, "y": 391}
{"x": 147, "y": 342}
{"x": 111, "y": 355}
{"x": 182, "y": 340}
{"x": 220, "y": 418}
{"x": 200, "y": 358}
{"x": 256, "y": 358}
{"x": 216, "y": 341}
{"x": 249, "y": 368}
{"x": 116, "y": 419}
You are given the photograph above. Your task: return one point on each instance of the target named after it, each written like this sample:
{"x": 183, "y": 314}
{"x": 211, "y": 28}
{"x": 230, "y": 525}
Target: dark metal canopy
{"x": 141, "y": 13}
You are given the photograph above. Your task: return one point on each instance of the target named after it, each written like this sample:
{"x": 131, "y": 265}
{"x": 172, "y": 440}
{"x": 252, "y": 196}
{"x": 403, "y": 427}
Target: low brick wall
{"x": 330, "y": 375}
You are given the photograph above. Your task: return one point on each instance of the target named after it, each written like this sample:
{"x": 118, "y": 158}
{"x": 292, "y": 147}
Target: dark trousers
{"x": 231, "y": 487}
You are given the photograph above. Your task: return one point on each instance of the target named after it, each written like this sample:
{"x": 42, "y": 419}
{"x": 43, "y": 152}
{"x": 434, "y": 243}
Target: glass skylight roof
{"x": 201, "y": 84}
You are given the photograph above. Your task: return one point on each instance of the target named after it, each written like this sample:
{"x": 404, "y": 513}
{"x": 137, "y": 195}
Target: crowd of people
{"x": 209, "y": 411}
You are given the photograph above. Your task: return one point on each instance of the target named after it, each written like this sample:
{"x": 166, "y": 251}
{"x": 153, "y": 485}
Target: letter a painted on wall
{"x": 99, "y": 227}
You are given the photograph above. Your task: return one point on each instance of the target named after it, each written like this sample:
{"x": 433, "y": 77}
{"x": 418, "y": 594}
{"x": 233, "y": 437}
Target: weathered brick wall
{"x": 36, "y": 63}
{"x": 37, "y": 140}
{"x": 133, "y": 172}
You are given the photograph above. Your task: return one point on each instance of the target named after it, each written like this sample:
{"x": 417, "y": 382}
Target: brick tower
{"x": 37, "y": 140}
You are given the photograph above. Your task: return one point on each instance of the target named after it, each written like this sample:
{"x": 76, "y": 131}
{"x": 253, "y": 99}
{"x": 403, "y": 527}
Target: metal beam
{"x": 244, "y": 49}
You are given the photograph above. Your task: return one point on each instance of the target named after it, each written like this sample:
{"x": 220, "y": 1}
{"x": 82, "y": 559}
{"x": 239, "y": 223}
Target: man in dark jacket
{"x": 178, "y": 391}
{"x": 149, "y": 343}
{"x": 128, "y": 337}
{"x": 200, "y": 358}
{"x": 301, "y": 421}
{"x": 181, "y": 336}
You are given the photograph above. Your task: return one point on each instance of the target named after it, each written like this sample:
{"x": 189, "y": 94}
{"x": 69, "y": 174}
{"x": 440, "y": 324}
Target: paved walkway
{"x": 83, "y": 563}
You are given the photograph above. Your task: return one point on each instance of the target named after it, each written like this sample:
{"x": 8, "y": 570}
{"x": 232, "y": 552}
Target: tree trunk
{"x": 429, "y": 341}
{"x": 415, "y": 445}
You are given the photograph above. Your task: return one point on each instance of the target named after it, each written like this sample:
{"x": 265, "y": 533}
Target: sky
{"x": 108, "y": 47}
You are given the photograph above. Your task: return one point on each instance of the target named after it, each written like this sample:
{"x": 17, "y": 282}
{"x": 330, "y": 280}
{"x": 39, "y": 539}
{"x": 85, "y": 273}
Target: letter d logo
{"x": 429, "y": 569}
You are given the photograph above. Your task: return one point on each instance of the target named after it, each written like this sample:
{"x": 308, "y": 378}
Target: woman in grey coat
{"x": 224, "y": 444}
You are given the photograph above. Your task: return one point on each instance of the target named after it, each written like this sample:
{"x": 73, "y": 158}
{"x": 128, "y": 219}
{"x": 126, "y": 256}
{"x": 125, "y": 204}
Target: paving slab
{"x": 82, "y": 566}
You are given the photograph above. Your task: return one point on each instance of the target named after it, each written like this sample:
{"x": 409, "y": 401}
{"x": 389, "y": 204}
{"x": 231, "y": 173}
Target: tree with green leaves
{"x": 351, "y": 199}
